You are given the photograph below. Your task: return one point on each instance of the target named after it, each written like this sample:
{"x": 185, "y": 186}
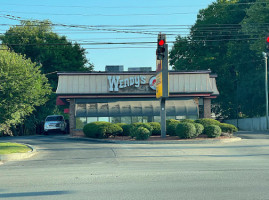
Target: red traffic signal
{"x": 160, "y": 52}
{"x": 162, "y": 42}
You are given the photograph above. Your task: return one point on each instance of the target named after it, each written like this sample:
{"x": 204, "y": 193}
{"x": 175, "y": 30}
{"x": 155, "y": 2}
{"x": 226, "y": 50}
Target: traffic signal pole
{"x": 265, "y": 54}
{"x": 266, "y": 88}
{"x": 162, "y": 90}
{"x": 165, "y": 92}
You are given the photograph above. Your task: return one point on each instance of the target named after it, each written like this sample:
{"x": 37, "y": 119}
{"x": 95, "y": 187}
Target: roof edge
{"x": 133, "y": 73}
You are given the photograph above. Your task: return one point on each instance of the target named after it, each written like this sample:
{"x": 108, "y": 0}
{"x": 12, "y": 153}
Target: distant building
{"x": 114, "y": 68}
{"x": 139, "y": 69}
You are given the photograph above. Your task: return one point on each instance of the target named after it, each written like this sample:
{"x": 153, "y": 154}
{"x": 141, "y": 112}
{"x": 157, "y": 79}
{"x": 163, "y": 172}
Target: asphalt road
{"x": 68, "y": 168}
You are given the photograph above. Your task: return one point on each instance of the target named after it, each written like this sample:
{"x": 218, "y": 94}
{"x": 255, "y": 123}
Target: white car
{"x": 54, "y": 123}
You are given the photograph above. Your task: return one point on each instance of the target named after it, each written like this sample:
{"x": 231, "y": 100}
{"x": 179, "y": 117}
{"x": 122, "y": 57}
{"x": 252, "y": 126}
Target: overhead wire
{"x": 199, "y": 32}
{"x": 98, "y": 14}
{"x": 117, "y": 7}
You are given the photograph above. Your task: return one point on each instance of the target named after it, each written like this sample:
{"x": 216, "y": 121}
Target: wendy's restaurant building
{"x": 128, "y": 97}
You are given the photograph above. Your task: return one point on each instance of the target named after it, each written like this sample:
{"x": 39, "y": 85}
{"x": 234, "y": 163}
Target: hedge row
{"x": 184, "y": 129}
{"x": 102, "y": 130}
{"x": 139, "y": 131}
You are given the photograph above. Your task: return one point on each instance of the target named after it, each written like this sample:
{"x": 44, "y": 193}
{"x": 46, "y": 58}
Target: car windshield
{"x": 54, "y": 118}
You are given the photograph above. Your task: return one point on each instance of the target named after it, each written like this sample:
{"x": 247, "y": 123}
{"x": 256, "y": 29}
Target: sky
{"x": 97, "y": 25}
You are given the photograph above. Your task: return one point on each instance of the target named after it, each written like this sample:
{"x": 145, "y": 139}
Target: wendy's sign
{"x": 116, "y": 83}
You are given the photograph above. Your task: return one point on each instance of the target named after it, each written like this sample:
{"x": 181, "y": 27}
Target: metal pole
{"x": 266, "y": 89}
{"x": 163, "y": 118}
{"x": 165, "y": 91}
{"x": 237, "y": 109}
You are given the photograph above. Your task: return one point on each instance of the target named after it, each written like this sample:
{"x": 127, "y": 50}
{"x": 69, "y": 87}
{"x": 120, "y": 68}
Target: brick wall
{"x": 72, "y": 122}
{"x": 207, "y": 108}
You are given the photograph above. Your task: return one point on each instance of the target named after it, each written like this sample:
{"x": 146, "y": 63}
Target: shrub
{"x": 101, "y": 129}
{"x": 207, "y": 122}
{"x": 156, "y": 128}
{"x": 121, "y": 125}
{"x": 171, "y": 127}
{"x": 148, "y": 126}
{"x": 228, "y": 128}
{"x": 168, "y": 121}
{"x": 187, "y": 121}
{"x": 139, "y": 124}
{"x": 95, "y": 129}
{"x": 145, "y": 125}
{"x": 212, "y": 131}
{"x": 186, "y": 130}
{"x": 126, "y": 129}
{"x": 113, "y": 130}
{"x": 141, "y": 133}
{"x": 199, "y": 129}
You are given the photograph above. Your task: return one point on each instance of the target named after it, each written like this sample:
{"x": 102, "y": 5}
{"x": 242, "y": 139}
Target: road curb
{"x": 189, "y": 141}
{"x": 17, "y": 156}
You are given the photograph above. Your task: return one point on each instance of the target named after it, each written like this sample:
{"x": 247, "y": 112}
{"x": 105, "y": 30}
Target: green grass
{"x": 8, "y": 148}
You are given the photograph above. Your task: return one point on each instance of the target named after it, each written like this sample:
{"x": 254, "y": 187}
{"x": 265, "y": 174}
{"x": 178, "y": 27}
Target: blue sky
{"x": 136, "y": 24}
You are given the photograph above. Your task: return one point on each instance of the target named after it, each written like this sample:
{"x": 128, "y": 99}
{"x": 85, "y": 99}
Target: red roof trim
{"x": 132, "y": 96}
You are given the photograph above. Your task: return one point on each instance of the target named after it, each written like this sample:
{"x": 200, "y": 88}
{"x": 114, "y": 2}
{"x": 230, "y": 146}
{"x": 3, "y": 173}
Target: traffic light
{"x": 267, "y": 43}
{"x": 160, "y": 52}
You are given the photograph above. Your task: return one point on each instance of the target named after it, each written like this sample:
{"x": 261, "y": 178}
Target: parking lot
{"x": 73, "y": 168}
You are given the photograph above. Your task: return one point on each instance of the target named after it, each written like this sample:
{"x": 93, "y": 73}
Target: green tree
{"x": 217, "y": 42}
{"x": 37, "y": 41}
{"x": 256, "y": 25}
{"x": 22, "y": 87}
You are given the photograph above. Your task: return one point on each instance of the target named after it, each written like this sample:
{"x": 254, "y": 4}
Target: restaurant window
{"x": 170, "y": 117}
{"x": 91, "y": 119}
{"x": 145, "y": 119}
{"x": 103, "y": 119}
{"x": 157, "y": 119}
{"x": 114, "y": 108}
{"x": 136, "y": 119}
{"x": 115, "y": 120}
{"x": 126, "y": 120}
{"x": 92, "y": 108}
{"x": 150, "y": 118}
{"x": 103, "y": 108}
{"x": 180, "y": 117}
{"x": 192, "y": 117}
{"x": 81, "y": 109}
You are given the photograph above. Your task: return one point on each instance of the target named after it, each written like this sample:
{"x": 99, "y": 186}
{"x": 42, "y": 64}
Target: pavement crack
{"x": 115, "y": 155}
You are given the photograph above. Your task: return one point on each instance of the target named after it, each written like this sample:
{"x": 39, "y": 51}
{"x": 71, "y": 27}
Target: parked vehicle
{"x": 54, "y": 123}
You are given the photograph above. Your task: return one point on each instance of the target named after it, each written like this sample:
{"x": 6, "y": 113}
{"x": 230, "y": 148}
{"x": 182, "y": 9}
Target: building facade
{"x": 129, "y": 97}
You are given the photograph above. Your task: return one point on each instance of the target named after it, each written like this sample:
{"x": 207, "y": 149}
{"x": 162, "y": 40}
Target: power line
{"x": 119, "y": 7}
{"x": 133, "y": 25}
{"x": 106, "y": 7}
{"x": 98, "y": 14}
{"x": 204, "y": 31}
{"x": 129, "y": 43}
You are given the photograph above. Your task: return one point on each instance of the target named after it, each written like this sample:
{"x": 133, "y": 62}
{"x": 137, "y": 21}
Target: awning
{"x": 136, "y": 108}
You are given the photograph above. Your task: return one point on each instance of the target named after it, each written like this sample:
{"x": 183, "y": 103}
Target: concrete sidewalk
{"x": 252, "y": 134}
